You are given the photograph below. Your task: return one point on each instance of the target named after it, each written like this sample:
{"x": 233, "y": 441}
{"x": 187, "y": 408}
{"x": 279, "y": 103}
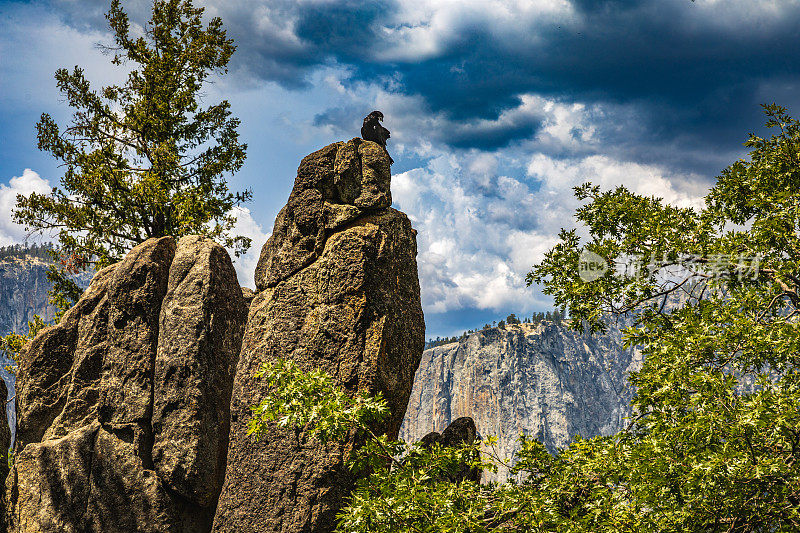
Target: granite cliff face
{"x": 5, "y": 443}
{"x": 123, "y": 406}
{"x": 23, "y": 292}
{"x": 542, "y": 380}
{"x": 337, "y": 290}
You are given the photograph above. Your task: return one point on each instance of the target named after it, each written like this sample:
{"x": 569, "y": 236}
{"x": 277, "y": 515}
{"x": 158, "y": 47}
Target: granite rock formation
{"x": 543, "y": 380}
{"x": 460, "y": 431}
{"x": 123, "y": 406}
{"x": 337, "y": 290}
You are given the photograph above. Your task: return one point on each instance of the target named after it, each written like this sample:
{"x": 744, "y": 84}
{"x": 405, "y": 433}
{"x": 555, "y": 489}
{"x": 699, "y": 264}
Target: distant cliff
{"x": 543, "y": 380}
{"x": 23, "y": 292}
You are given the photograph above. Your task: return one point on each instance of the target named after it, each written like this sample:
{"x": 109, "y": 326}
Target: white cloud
{"x": 30, "y": 181}
{"x": 422, "y": 29}
{"x": 480, "y": 232}
{"x": 477, "y": 235}
{"x": 731, "y": 15}
{"x": 33, "y": 44}
{"x": 560, "y": 175}
{"x": 565, "y": 125}
{"x": 248, "y": 227}
{"x": 485, "y": 217}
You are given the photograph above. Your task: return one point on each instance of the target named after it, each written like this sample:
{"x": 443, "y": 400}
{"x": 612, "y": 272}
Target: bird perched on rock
{"x": 372, "y": 130}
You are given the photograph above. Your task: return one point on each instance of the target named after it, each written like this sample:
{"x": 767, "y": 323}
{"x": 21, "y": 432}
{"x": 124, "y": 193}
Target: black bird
{"x": 372, "y": 130}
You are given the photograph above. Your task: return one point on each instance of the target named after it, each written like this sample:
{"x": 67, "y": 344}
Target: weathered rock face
{"x": 5, "y": 442}
{"x": 338, "y": 291}
{"x": 24, "y": 293}
{"x": 334, "y": 186}
{"x": 460, "y": 431}
{"x": 542, "y": 380}
{"x": 123, "y": 406}
{"x": 200, "y": 330}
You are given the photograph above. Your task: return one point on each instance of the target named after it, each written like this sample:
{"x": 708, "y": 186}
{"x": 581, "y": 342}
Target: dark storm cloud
{"x": 346, "y": 30}
{"x": 691, "y": 76}
{"x": 90, "y": 14}
{"x": 472, "y": 134}
{"x": 693, "y": 72}
{"x": 680, "y": 74}
{"x": 490, "y": 138}
{"x": 346, "y": 119}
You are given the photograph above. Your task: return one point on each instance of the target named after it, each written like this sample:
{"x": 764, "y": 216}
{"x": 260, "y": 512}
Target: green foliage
{"x": 439, "y": 341}
{"x": 707, "y": 452}
{"x": 22, "y": 251}
{"x": 143, "y": 159}
{"x": 299, "y": 399}
{"x": 13, "y": 344}
{"x": 64, "y": 292}
{"x": 715, "y": 441}
{"x": 402, "y": 486}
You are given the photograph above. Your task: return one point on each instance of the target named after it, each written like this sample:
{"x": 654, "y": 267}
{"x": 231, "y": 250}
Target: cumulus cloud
{"x": 497, "y": 108}
{"x": 246, "y": 264}
{"x": 486, "y": 215}
{"x": 559, "y": 176}
{"x": 692, "y": 72}
{"x": 480, "y": 232}
{"x": 477, "y": 234}
{"x": 29, "y": 182}
{"x": 683, "y": 66}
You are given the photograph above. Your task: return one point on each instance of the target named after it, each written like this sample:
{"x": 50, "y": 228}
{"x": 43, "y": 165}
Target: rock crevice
{"x": 91, "y": 451}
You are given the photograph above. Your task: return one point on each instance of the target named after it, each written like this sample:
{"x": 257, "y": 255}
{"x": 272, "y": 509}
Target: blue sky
{"x": 496, "y": 108}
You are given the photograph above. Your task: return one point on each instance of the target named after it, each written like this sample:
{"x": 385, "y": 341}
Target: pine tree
{"x": 143, "y": 159}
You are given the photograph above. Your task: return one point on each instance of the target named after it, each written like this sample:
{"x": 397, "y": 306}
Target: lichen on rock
{"x": 123, "y": 405}
{"x": 338, "y": 291}
{"x": 125, "y": 408}
{"x": 334, "y": 186}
